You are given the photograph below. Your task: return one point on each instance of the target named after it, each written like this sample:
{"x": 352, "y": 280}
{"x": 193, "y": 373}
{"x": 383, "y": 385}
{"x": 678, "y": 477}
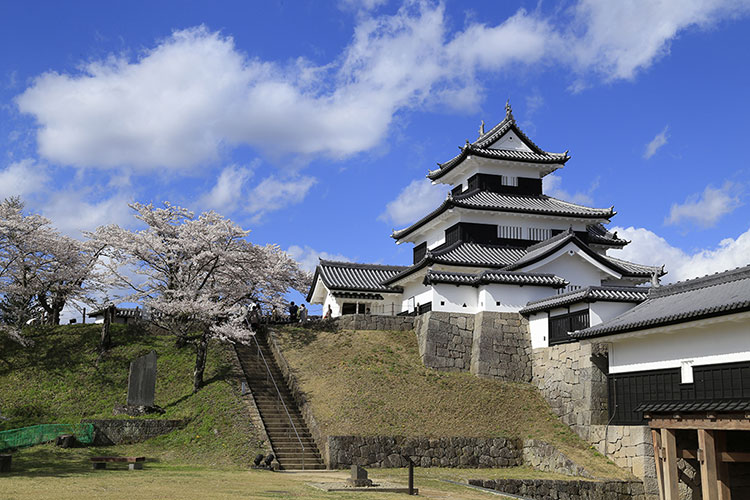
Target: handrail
{"x": 270, "y": 375}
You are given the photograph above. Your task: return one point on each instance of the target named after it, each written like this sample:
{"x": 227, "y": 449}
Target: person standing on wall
{"x": 293, "y": 312}
{"x": 302, "y": 313}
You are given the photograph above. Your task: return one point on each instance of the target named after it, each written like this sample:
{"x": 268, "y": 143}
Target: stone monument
{"x": 359, "y": 477}
{"x": 141, "y": 387}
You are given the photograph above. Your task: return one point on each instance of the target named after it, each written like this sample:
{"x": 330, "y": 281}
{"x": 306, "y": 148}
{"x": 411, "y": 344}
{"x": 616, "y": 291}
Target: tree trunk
{"x": 106, "y": 339}
{"x": 201, "y": 350}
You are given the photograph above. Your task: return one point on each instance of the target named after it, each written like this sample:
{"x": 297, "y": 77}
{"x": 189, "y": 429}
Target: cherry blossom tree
{"x": 40, "y": 269}
{"x": 195, "y": 276}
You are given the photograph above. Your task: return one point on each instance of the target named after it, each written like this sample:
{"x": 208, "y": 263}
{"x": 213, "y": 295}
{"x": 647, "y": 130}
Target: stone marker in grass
{"x": 359, "y": 477}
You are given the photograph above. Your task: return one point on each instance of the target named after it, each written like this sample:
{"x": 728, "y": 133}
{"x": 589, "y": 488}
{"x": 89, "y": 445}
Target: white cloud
{"x": 656, "y": 143}
{"x": 420, "y": 197}
{"x": 194, "y": 94}
{"x": 227, "y": 193}
{"x": 308, "y": 257}
{"x": 22, "y": 178}
{"x": 647, "y": 247}
{"x": 620, "y": 38}
{"x": 362, "y": 4}
{"x": 552, "y": 186}
{"x": 705, "y": 209}
{"x": 71, "y": 215}
{"x": 274, "y": 193}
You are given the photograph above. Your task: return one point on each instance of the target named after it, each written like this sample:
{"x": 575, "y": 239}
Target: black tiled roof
{"x": 694, "y": 406}
{"x": 544, "y": 248}
{"x": 500, "y": 277}
{"x": 714, "y": 295}
{"x": 510, "y": 203}
{"x": 588, "y": 294}
{"x": 478, "y": 254}
{"x": 349, "y": 276}
{"x": 599, "y": 235}
{"x": 357, "y": 295}
{"x": 480, "y": 147}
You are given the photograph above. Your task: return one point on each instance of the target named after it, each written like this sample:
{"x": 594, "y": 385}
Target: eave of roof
{"x": 480, "y": 147}
{"x": 495, "y": 277}
{"x": 547, "y": 247}
{"x": 472, "y": 200}
{"x": 587, "y": 295}
{"x": 729, "y": 291}
{"x": 352, "y": 266}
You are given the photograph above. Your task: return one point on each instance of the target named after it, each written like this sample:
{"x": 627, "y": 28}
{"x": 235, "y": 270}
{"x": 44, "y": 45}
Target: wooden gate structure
{"x": 711, "y": 454}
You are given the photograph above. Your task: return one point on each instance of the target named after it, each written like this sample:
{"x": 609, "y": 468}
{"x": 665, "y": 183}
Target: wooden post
{"x": 721, "y": 447}
{"x": 656, "y": 438}
{"x": 707, "y": 459}
{"x": 671, "y": 479}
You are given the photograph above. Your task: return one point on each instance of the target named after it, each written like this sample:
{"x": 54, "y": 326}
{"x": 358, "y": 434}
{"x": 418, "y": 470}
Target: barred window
{"x": 539, "y": 234}
{"x": 509, "y": 180}
{"x": 511, "y": 232}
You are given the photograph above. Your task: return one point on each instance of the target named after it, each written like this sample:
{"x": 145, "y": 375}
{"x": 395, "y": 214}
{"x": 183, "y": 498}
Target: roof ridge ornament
{"x": 508, "y": 110}
{"x": 481, "y": 129}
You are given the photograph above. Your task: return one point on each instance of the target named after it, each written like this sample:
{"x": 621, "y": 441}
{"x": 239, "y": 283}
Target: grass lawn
{"x": 47, "y": 472}
{"x": 62, "y": 379}
{"x": 368, "y": 383}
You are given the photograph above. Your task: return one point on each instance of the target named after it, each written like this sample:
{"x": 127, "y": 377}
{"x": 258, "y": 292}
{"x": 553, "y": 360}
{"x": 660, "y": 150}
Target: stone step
{"x": 305, "y": 466}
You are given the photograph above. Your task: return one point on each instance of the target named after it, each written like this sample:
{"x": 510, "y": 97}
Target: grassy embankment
{"x": 62, "y": 379}
{"x": 373, "y": 383}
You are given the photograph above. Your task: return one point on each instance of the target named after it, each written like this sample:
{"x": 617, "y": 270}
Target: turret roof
{"x": 481, "y": 147}
{"x": 510, "y": 203}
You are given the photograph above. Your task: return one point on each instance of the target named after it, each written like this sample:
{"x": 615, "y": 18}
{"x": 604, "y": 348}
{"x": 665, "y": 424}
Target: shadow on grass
{"x": 49, "y": 461}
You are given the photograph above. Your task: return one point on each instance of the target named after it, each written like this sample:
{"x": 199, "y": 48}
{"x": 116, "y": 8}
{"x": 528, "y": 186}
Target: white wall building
{"x": 495, "y": 244}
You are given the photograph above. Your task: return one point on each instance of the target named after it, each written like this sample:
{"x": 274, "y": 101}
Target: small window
{"x": 509, "y": 180}
{"x": 442, "y": 302}
{"x": 560, "y": 326}
{"x": 510, "y": 232}
{"x": 497, "y": 303}
{"x": 539, "y": 234}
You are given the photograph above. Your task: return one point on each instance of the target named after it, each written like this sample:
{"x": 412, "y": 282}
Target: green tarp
{"x": 37, "y": 434}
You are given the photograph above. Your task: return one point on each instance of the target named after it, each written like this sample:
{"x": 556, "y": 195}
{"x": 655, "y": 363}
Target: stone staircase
{"x": 287, "y": 447}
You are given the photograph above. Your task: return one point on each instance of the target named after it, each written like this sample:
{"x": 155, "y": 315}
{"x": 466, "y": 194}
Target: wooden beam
{"x": 729, "y": 422}
{"x": 669, "y": 441}
{"x": 724, "y": 456}
{"x": 656, "y": 439}
{"x": 708, "y": 464}
{"x": 721, "y": 447}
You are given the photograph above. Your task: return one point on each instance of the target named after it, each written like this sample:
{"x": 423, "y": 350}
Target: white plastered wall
{"x": 604, "y": 311}
{"x": 510, "y": 298}
{"x": 570, "y": 264}
{"x": 724, "y": 341}
{"x": 452, "y": 298}
{"x": 539, "y": 329}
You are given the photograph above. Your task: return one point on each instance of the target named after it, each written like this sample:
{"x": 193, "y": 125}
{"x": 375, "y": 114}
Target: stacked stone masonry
{"x": 545, "y": 489}
{"x": 571, "y": 380}
{"x": 119, "y": 431}
{"x": 375, "y": 322}
{"x": 494, "y": 345}
{"x": 384, "y": 451}
{"x": 545, "y": 457}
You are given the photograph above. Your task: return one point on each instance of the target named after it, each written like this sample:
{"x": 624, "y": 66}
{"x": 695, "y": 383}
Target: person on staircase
{"x": 293, "y": 312}
{"x": 302, "y": 313}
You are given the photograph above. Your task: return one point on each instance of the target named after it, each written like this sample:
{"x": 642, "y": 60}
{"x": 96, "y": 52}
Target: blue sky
{"x": 314, "y": 123}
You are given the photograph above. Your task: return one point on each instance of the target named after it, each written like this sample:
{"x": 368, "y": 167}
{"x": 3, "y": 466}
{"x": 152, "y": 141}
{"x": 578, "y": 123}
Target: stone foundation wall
{"x": 501, "y": 347}
{"x": 571, "y": 379}
{"x": 545, "y": 489}
{"x": 445, "y": 340}
{"x": 384, "y": 451}
{"x": 108, "y": 432}
{"x": 374, "y": 322}
{"x": 489, "y": 344}
{"x": 545, "y": 457}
